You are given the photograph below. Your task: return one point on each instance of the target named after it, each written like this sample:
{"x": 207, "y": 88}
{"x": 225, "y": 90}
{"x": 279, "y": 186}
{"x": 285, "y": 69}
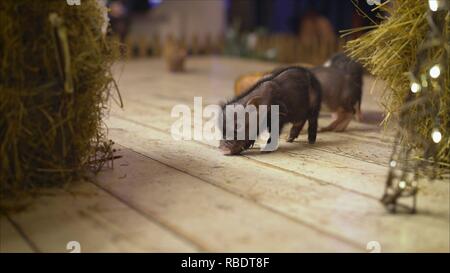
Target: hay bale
{"x": 54, "y": 85}
{"x": 245, "y": 81}
{"x": 389, "y": 52}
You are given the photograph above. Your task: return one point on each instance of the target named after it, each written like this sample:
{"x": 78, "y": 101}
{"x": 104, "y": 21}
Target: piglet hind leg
{"x": 345, "y": 121}
{"x": 295, "y": 130}
{"x": 358, "y": 113}
{"x": 340, "y": 115}
{"x": 332, "y": 125}
{"x": 312, "y": 129}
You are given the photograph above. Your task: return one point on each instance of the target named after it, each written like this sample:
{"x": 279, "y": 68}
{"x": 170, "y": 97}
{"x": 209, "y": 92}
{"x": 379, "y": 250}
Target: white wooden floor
{"x": 184, "y": 196}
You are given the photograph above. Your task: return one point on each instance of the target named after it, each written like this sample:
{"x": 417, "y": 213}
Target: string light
{"x": 402, "y": 180}
{"x": 415, "y": 87}
{"x": 373, "y": 2}
{"x": 436, "y": 135}
{"x": 435, "y": 71}
{"x": 393, "y": 163}
{"x": 433, "y": 4}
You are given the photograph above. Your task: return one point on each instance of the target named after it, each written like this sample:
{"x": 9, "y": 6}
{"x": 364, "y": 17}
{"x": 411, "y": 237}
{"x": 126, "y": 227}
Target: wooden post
{"x": 156, "y": 45}
{"x": 195, "y": 46}
{"x": 208, "y": 46}
{"x": 143, "y": 47}
{"x": 129, "y": 47}
{"x": 220, "y": 44}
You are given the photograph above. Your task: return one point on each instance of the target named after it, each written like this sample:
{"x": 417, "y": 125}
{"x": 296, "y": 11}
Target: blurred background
{"x": 284, "y": 31}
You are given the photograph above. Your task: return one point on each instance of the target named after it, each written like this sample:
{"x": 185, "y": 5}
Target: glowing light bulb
{"x": 435, "y": 71}
{"x": 373, "y": 2}
{"x": 393, "y": 163}
{"x": 433, "y": 4}
{"x": 436, "y": 136}
{"x": 402, "y": 184}
{"x": 415, "y": 87}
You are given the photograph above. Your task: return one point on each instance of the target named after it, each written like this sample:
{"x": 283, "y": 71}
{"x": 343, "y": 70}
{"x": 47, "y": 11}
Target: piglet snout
{"x": 225, "y": 151}
{"x": 229, "y": 151}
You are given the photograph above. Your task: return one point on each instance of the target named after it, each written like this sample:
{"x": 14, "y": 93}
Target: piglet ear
{"x": 256, "y": 101}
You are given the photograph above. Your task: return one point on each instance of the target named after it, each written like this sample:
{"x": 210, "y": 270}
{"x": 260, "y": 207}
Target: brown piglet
{"x": 341, "y": 81}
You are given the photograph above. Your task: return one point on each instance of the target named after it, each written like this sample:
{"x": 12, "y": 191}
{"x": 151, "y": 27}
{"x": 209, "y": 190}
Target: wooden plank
{"x": 370, "y": 145}
{"x": 330, "y": 209}
{"x": 374, "y": 148}
{"x": 100, "y": 223}
{"x": 212, "y": 78}
{"x": 214, "y": 219}
{"x": 10, "y": 239}
{"x": 328, "y": 144}
{"x": 158, "y": 115}
{"x": 360, "y": 149}
{"x": 356, "y": 131}
{"x": 162, "y": 99}
{"x": 352, "y": 169}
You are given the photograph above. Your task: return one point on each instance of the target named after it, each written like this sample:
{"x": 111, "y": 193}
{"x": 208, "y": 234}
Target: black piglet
{"x": 298, "y": 94}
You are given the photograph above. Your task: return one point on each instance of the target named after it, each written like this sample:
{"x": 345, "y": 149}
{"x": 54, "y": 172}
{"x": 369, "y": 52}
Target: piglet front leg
{"x": 358, "y": 114}
{"x": 312, "y": 128}
{"x": 295, "y": 130}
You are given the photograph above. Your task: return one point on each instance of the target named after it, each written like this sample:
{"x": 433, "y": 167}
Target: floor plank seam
{"x": 367, "y": 139}
{"x": 350, "y": 156}
{"x": 280, "y": 213}
{"x": 177, "y": 234}
{"x": 311, "y": 178}
{"x": 317, "y": 180}
{"x": 22, "y": 233}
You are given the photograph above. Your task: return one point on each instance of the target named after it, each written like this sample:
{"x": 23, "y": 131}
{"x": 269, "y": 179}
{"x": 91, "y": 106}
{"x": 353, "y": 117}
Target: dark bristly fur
{"x": 338, "y": 89}
{"x": 297, "y": 92}
{"x": 355, "y": 71}
{"x": 341, "y": 83}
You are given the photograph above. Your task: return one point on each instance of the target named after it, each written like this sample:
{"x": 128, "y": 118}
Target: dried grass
{"x": 55, "y": 82}
{"x": 389, "y": 52}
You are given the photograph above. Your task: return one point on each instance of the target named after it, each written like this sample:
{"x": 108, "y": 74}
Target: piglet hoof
{"x": 227, "y": 151}
{"x": 359, "y": 116}
{"x": 311, "y": 141}
{"x": 339, "y": 130}
{"x": 290, "y": 140}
